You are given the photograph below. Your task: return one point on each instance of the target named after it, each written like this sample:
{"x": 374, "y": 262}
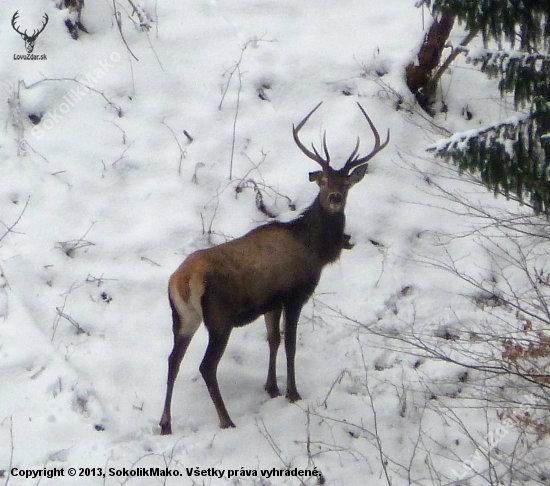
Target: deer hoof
{"x": 293, "y": 396}
{"x": 227, "y": 425}
{"x": 273, "y": 391}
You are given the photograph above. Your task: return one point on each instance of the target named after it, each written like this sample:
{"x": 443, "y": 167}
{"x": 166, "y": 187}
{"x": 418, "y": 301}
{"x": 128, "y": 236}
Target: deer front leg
{"x": 272, "y": 320}
{"x": 292, "y": 313}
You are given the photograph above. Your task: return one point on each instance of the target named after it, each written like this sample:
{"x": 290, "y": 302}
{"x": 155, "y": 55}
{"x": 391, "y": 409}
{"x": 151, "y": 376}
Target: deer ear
{"x": 358, "y": 174}
{"x": 315, "y": 176}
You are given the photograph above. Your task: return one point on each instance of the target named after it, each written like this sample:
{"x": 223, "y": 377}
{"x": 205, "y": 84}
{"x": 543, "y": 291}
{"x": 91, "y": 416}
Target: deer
{"x": 29, "y": 39}
{"x": 272, "y": 271}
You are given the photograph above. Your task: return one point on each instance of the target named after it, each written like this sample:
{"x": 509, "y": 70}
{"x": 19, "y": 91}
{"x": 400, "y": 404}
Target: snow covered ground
{"x": 106, "y": 195}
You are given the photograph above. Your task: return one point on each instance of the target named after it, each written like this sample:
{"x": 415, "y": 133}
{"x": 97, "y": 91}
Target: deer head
{"x": 29, "y": 39}
{"x": 335, "y": 184}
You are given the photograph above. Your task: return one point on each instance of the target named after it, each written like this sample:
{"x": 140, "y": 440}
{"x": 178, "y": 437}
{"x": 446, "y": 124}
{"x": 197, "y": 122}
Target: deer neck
{"x": 321, "y": 231}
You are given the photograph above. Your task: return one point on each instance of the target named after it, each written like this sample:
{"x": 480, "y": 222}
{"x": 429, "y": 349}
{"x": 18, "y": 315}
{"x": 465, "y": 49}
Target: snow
{"x": 106, "y": 196}
{"x": 460, "y": 140}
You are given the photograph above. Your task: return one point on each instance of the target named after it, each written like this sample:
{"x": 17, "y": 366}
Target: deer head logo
{"x": 29, "y": 39}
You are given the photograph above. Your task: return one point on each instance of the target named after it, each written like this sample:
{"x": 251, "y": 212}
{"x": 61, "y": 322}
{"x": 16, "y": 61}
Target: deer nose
{"x": 335, "y": 198}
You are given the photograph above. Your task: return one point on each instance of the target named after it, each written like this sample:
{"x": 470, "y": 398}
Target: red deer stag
{"x": 271, "y": 270}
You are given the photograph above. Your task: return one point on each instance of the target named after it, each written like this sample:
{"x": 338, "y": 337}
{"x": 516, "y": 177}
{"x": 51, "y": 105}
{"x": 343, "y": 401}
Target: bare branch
{"x": 182, "y": 151}
{"x": 118, "y": 20}
{"x": 10, "y": 229}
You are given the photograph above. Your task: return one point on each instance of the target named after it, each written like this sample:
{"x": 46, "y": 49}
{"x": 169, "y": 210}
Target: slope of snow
{"x": 109, "y": 196}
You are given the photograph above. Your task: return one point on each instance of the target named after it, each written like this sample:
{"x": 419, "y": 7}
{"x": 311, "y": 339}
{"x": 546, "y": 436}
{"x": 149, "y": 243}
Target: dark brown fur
{"x": 273, "y": 269}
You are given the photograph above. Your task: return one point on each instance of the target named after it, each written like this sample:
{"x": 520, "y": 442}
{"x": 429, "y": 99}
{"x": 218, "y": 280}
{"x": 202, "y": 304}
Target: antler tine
{"x": 327, "y": 160}
{"x": 353, "y": 161}
{"x": 39, "y": 31}
{"x": 324, "y": 148}
{"x": 317, "y": 154}
{"x": 354, "y": 153}
{"x": 13, "y": 19}
{"x": 46, "y": 18}
{"x": 312, "y": 155}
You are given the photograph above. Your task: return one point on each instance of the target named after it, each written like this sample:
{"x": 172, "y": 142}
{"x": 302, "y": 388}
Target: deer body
{"x": 257, "y": 272}
{"x": 271, "y": 270}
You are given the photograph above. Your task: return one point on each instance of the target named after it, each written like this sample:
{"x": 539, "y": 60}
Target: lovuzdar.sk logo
{"x": 29, "y": 39}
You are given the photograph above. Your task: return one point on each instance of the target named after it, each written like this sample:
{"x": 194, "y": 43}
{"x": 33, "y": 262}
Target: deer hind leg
{"x": 217, "y": 342}
{"x": 272, "y": 320}
{"x": 185, "y": 321}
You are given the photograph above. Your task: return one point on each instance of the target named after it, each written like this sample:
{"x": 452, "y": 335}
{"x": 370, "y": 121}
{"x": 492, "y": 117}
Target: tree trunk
{"x": 419, "y": 76}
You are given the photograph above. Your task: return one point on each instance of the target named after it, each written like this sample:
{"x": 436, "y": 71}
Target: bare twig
{"x": 152, "y": 262}
{"x": 195, "y": 178}
{"x": 383, "y": 459}
{"x": 69, "y": 247}
{"x": 143, "y": 17}
{"x": 182, "y": 151}
{"x": 454, "y": 54}
{"x": 98, "y": 280}
{"x": 26, "y": 145}
{"x": 12, "y": 449}
{"x": 122, "y": 155}
{"x": 271, "y": 441}
{"x": 113, "y": 105}
{"x": 156, "y": 20}
{"x": 16, "y": 115}
{"x": 10, "y": 229}
{"x": 75, "y": 324}
{"x": 269, "y": 438}
{"x": 338, "y": 380}
{"x": 236, "y": 68}
{"x": 234, "y": 132}
{"x": 123, "y": 133}
{"x": 261, "y": 189}
{"x": 260, "y": 204}
{"x": 118, "y": 20}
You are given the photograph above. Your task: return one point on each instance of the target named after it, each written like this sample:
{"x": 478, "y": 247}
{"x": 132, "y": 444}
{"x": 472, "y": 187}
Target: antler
{"x": 13, "y": 19}
{"x": 324, "y": 163}
{"x": 353, "y": 160}
{"x": 37, "y": 32}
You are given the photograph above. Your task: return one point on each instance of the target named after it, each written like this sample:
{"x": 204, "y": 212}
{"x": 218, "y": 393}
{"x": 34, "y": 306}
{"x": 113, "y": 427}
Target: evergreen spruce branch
{"x": 524, "y": 74}
{"x": 512, "y": 157}
{"x": 487, "y": 56}
{"x": 501, "y": 20}
{"x": 461, "y": 139}
{"x": 507, "y": 158}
